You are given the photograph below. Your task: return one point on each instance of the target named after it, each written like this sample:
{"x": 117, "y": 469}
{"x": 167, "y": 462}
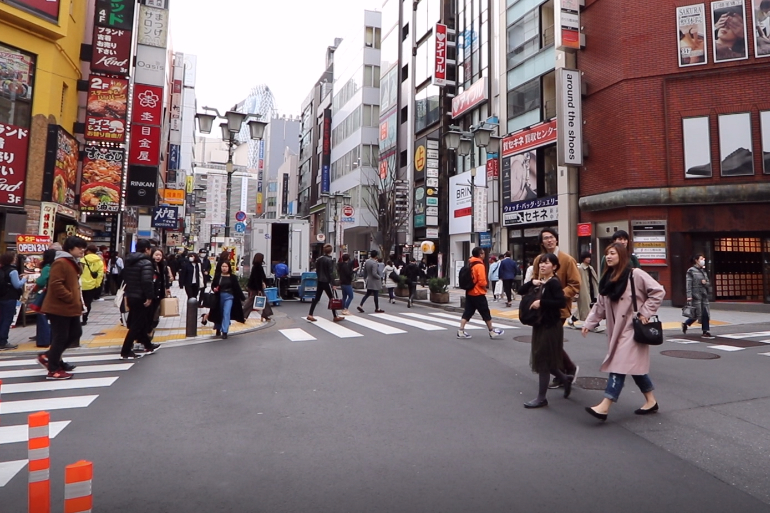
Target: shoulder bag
{"x": 650, "y": 333}
{"x": 528, "y": 315}
{"x": 688, "y": 311}
{"x": 335, "y": 303}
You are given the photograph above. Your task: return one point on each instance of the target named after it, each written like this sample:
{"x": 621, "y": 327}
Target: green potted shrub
{"x": 438, "y": 290}
{"x": 402, "y": 288}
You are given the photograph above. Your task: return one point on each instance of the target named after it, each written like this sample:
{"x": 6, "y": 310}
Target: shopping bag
{"x": 260, "y": 302}
{"x": 498, "y": 288}
{"x": 118, "y": 301}
{"x": 169, "y": 307}
{"x": 335, "y": 303}
{"x": 37, "y": 302}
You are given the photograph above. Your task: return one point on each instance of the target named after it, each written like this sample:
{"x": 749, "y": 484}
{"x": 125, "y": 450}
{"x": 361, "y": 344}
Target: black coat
{"x": 345, "y": 272}
{"x": 236, "y": 314}
{"x": 552, "y": 301}
{"x": 186, "y": 273}
{"x": 138, "y": 277}
{"x": 161, "y": 280}
{"x": 324, "y": 268}
{"x": 257, "y": 278}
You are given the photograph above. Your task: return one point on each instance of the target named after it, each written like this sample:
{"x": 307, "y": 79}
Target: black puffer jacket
{"x": 138, "y": 275}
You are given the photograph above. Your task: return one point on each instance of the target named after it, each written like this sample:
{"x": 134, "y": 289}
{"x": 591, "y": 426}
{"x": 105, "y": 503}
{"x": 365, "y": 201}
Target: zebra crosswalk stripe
{"x": 335, "y": 329}
{"x": 28, "y": 373}
{"x": 20, "y": 433}
{"x": 456, "y": 324}
{"x": 476, "y": 321}
{"x": 740, "y": 336}
{"x": 8, "y": 469}
{"x": 53, "y": 403}
{"x": 297, "y": 335}
{"x": 409, "y": 322}
{"x": 49, "y": 386}
{"x": 373, "y": 325}
{"x": 70, "y": 359}
{"x": 727, "y": 348}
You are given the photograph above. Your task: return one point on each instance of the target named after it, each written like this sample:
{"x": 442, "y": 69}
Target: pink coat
{"x": 625, "y": 356}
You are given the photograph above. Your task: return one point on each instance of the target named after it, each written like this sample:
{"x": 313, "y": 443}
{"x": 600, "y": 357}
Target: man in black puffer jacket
{"x": 138, "y": 275}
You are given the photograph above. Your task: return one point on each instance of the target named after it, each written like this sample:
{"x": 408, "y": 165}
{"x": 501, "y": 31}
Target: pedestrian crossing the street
{"x": 356, "y": 326}
{"x": 23, "y": 377}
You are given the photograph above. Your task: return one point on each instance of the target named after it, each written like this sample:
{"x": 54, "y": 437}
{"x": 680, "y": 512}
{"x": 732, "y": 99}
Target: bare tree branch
{"x": 382, "y": 200}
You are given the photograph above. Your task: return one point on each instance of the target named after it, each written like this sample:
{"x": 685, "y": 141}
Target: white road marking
{"x": 297, "y": 335}
{"x": 476, "y": 321}
{"x": 16, "y": 434}
{"x": 8, "y": 469}
{"x": 682, "y": 341}
{"x": 727, "y": 348}
{"x": 739, "y": 336}
{"x": 46, "y": 386}
{"x": 409, "y": 322}
{"x": 68, "y": 359}
{"x": 54, "y": 403}
{"x": 764, "y": 354}
{"x": 334, "y": 328}
{"x": 373, "y": 325}
{"x": 456, "y": 324}
{"x": 85, "y": 369}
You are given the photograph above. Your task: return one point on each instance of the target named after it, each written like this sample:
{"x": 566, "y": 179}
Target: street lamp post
{"x": 230, "y": 129}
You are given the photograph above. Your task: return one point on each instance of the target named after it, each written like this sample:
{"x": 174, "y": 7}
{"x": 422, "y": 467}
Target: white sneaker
{"x": 496, "y": 332}
{"x": 463, "y": 334}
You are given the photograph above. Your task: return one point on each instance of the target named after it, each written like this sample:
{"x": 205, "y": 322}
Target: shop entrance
{"x": 741, "y": 271}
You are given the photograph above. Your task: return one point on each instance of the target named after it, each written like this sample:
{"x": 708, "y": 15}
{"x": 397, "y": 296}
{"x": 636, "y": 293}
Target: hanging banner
{"x": 153, "y": 26}
{"x": 102, "y": 176}
{"x": 145, "y": 146}
{"x": 570, "y": 118}
{"x": 439, "y": 55}
{"x": 14, "y": 146}
{"x": 147, "y": 106}
{"x": 111, "y": 50}
{"x": 691, "y": 20}
{"x": 106, "y": 109}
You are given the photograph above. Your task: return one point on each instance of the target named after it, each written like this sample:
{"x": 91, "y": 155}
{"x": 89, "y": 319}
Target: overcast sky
{"x": 243, "y": 43}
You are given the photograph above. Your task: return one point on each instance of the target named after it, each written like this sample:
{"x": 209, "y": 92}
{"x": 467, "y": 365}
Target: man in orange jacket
{"x": 476, "y": 298}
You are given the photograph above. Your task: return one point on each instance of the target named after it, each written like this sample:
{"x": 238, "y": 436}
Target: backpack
{"x": 528, "y": 315}
{"x": 465, "y": 278}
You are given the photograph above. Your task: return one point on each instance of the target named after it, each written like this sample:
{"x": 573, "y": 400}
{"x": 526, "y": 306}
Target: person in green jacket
{"x": 43, "y": 338}
{"x": 91, "y": 279}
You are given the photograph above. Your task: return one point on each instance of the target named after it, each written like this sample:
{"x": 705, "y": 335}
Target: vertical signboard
{"x": 102, "y": 176}
{"x": 147, "y": 108}
{"x": 650, "y": 242}
{"x": 115, "y": 13}
{"x": 111, "y": 51}
{"x": 14, "y": 146}
{"x": 285, "y": 194}
{"x": 61, "y": 167}
{"x": 141, "y": 186}
{"x": 106, "y": 109}
{"x": 439, "y": 55}
{"x": 569, "y": 118}
{"x": 567, "y": 24}
{"x": 150, "y": 65}
{"x": 326, "y": 152}
{"x": 145, "y": 146}
{"x": 153, "y": 26}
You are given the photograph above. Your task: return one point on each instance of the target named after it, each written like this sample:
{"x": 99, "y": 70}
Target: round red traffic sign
{"x": 240, "y": 216}
{"x": 348, "y": 211}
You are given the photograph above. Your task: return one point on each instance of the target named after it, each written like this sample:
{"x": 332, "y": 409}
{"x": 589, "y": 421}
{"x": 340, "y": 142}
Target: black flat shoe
{"x": 594, "y": 413}
{"x": 642, "y": 411}
{"x": 203, "y": 319}
{"x": 568, "y": 386}
{"x": 535, "y": 403}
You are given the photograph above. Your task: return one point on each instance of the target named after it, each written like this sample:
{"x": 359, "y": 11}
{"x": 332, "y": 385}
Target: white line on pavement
{"x": 85, "y": 369}
{"x": 297, "y": 335}
{"x": 727, "y": 348}
{"x": 739, "y": 336}
{"x": 69, "y": 359}
{"x": 476, "y": 321}
{"x": 8, "y": 469}
{"x": 47, "y": 386}
{"x": 764, "y": 354}
{"x": 409, "y": 322}
{"x": 373, "y": 325}
{"x": 448, "y": 322}
{"x": 334, "y": 328}
{"x": 20, "y": 433}
{"x": 682, "y": 341}
{"x": 53, "y": 403}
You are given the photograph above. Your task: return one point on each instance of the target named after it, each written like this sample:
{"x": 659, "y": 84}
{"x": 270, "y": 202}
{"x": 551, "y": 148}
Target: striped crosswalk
{"x": 734, "y": 341}
{"x": 24, "y": 390}
{"x": 356, "y": 326}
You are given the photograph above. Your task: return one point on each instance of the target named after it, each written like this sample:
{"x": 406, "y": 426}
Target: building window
{"x": 523, "y": 38}
{"x": 371, "y": 115}
{"x": 372, "y": 76}
{"x": 17, "y": 70}
{"x": 524, "y": 98}
{"x": 372, "y": 38}
{"x": 426, "y": 108}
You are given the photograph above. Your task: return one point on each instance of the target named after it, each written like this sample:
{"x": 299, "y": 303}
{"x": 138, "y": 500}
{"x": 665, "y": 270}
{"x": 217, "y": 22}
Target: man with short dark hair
{"x": 324, "y": 267}
{"x": 476, "y": 298}
{"x": 507, "y": 272}
{"x": 373, "y": 279}
{"x": 139, "y": 293}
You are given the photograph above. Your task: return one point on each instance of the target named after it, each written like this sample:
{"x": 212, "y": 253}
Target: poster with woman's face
{"x": 524, "y": 176}
{"x": 691, "y": 20}
{"x": 728, "y": 19}
{"x": 761, "y": 28}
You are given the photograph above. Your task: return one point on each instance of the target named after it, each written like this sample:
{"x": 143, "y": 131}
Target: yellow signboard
{"x": 190, "y": 184}
{"x": 173, "y": 196}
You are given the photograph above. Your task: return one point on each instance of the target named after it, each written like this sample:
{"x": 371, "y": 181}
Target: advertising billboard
{"x": 61, "y": 167}
{"x": 691, "y": 20}
{"x": 14, "y": 142}
{"x": 111, "y": 50}
{"x": 728, "y": 25}
{"x": 106, "y": 109}
{"x": 100, "y": 185}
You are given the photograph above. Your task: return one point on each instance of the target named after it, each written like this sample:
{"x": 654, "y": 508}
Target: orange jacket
{"x": 479, "y": 273}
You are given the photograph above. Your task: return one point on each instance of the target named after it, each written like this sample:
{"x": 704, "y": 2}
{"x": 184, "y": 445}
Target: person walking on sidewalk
{"x": 11, "y": 287}
{"x": 256, "y": 286}
{"x": 390, "y": 283}
{"x": 494, "y": 275}
{"x": 413, "y": 273}
{"x": 139, "y": 294}
{"x": 115, "y": 272}
{"x": 507, "y": 272}
{"x": 624, "y": 355}
{"x": 228, "y": 300}
{"x": 548, "y": 334}
{"x": 91, "y": 279}
{"x": 43, "y": 328}
{"x": 324, "y": 268}
{"x": 589, "y": 291}
{"x": 476, "y": 298}
{"x": 570, "y": 281}
{"x": 161, "y": 286}
{"x": 63, "y": 305}
{"x": 698, "y": 291}
{"x": 373, "y": 280}
{"x": 191, "y": 276}
{"x": 346, "y": 273}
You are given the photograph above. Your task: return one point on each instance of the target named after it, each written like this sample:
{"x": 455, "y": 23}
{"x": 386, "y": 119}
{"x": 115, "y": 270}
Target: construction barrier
{"x": 77, "y": 487}
{"x": 39, "y": 463}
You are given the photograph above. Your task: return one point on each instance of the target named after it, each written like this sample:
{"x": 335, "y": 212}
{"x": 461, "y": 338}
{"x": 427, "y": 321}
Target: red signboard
{"x": 493, "y": 169}
{"x": 530, "y": 138}
{"x": 66, "y": 152}
{"x": 14, "y": 145}
{"x": 111, "y": 51}
{"x": 106, "y": 109}
{"x": 439, "y": 57}
{"x": 32, "y": 244}
{"x": 148, "y": 105}
{"x": 584, "y": 229}
{"x": 145, "y": 146}
{"x": 470, "y": 98}
{"x": 46, "y": 8}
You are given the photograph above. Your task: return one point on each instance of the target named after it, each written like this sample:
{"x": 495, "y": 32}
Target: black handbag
{"x": 650, "y": 333}
{"x": 528, "y": 315}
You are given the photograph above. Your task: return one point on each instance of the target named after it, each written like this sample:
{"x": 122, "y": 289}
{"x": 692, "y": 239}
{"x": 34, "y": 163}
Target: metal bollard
{"x": 192, "y": 318}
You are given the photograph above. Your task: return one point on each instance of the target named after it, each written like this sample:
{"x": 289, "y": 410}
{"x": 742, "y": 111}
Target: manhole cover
{"x": 691, "y": 355}
{"x": 526, "y": 340}
{"x": 591, "y": 383}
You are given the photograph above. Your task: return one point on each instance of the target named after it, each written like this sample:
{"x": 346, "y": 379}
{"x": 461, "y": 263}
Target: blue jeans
{"x": 704, "y": 318}
{"x": 616, "y": 381}
{"x": 226, "y": 304}
{"x": 43, "y": 330}
{"x": 347, "y": 295}
{"x": 7, "y": 311}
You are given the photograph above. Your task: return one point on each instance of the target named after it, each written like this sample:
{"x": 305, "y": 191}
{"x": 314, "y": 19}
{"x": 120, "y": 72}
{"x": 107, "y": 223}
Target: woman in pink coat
{"x": 625, "y": 356}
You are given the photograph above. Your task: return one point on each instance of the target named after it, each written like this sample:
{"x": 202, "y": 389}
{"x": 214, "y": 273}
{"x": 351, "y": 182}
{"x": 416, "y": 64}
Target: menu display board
{"x": 100, "y": 185}
{"x": 106, "y": 109}
{"x": 16, "y": 71}
{"x": 649, "y": 242}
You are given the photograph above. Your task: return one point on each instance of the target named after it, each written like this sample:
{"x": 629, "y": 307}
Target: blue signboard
{"x": 165, "y": 217}
{"x": 240, "y": 227}
{"x": 174, "y": 156}
{"x": 485, "y": 239}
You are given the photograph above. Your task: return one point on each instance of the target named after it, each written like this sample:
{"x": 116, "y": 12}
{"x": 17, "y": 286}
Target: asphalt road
{"x": 409, "y": 422}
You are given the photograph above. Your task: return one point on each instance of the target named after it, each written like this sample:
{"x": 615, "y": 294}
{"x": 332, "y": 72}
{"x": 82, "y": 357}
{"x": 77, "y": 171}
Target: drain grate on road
{"x": 690, "y": 355}
{"x": 591, "y": 383}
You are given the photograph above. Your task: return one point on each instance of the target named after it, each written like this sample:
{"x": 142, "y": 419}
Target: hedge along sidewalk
{"x": 105, "y": 331}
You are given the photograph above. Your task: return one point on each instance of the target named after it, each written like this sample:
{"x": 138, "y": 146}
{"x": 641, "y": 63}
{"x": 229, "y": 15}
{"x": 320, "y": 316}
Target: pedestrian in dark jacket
{"x": 205, "y": 266}
{"x": 324, "y": 267}
{"x": 191, "y": 276}
{"x": 256, "y": 286}
{"x": 346, "y": 272}
{"x": 63, "y": 304}
{"x": 412, "y": 272}
{"x": 140, "y": 292}
{"x": 507, "y": 272}
{"x": 12, "y": 287}
{"x": 228, "y": 298}
{"x": 161, "y": 285}
{"x": 43, "y": 333}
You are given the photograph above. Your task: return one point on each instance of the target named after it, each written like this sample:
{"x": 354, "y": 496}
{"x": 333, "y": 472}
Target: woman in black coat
{"x": 161, "y": 284}
{"x": 228, "y": 298}
{"x": 191, "y": 276}
{"x": 256, "y": 284}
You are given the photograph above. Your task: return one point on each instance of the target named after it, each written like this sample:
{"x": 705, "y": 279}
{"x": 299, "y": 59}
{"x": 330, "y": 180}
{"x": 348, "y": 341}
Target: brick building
{"x": 678, "y": 135}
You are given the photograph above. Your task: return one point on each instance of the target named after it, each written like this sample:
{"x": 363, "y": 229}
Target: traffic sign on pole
{"x": 240, "y": 216}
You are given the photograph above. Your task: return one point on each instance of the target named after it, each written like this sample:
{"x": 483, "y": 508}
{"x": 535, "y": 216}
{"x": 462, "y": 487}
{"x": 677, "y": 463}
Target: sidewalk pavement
{"x": 105, "y": 331}
{"x": 670, "y": 316}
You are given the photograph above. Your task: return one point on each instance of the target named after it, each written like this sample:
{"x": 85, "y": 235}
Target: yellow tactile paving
{"x": 511, "y": 313}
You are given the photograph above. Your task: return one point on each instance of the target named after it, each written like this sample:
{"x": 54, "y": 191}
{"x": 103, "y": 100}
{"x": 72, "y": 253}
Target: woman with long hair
{"x": 390, "y": 284}
{"x": 548, "y": 335}
{"x": 12, "y": 289}
{"x": 256, "y": 284}
{"x": 115, "y": 272}
{"x": 615, "y": 304}
{"x": 43, "y": 328}
{"x": 228, "y": 297}
{"x": 161, "y": 285}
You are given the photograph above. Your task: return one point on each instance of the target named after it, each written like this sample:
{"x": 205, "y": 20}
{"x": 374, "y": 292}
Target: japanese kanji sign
{"x": 111, "y": 50}
{"x": 439, "y": 55}
{"x": 147, "y": 105}
{"x": 14, "y": 145}
{"x": 145, "y": 146}
{"x": 153, "y": 26}
{"x": 115, "y": 13}
{"x": 538, "y": 210}
{"x": 102, "y": 177}
{"x": 530, "y": 138}
{"x": 106, "y": 109}
{"x": 165, "y": 217}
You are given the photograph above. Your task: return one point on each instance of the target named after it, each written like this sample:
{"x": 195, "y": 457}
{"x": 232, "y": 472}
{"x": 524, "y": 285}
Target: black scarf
{"x": 614, "y": 289}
